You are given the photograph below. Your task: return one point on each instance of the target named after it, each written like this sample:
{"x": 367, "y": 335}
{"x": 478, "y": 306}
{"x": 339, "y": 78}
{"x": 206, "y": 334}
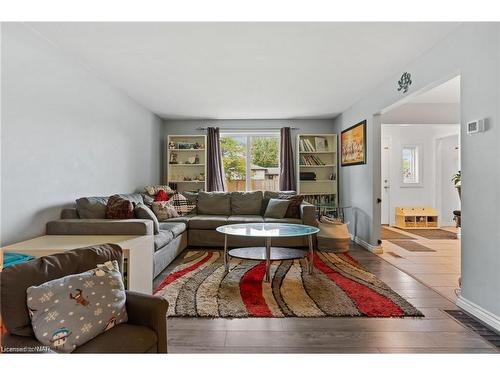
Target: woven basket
{"x": 333, "y": 235}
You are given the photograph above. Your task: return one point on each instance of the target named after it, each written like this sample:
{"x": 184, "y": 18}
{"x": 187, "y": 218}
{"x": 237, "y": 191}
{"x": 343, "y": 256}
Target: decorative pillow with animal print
{"x": 67, "y": 312}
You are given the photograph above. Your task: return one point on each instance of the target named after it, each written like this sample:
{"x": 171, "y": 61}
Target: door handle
{"x": 386, "y": 187}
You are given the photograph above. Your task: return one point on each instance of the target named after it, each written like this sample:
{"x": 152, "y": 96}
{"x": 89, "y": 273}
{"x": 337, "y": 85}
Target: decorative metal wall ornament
{"x": 404, "y": 82}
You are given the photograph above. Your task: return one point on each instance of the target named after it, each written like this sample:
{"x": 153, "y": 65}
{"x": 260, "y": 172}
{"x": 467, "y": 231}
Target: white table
{"x": 138, "y": 250}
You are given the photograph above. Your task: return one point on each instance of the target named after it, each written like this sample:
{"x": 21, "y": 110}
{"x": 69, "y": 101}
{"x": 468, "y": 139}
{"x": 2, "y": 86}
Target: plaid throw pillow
{"x": 293, "y": 210}
{"x": 119, "y": 208}
{"x": 182, "y": 204}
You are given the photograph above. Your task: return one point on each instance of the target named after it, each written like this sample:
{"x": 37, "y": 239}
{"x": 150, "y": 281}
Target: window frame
{"x": 418, "y": 166}
{"x": 248, "y": 135}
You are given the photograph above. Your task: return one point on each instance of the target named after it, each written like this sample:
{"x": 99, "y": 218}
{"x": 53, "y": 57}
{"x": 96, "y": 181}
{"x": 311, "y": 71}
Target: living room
{"x": 217, "y": 187}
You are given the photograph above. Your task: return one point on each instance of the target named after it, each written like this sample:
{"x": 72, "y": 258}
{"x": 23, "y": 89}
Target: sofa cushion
{"x": 141, "y": 339}
{"x": 180, "y": 219}
{"x": 95, "y": 207}
{"x": 91, "y": 207}
{"x": 144, "y": 212}
{"x": 274, "y": 194}
{"x": 276, "y": 208}
{"x": 15, "y": 315}
{"x": 175, "y": 228}
{"x": 214, "y": 203}
{"x": 246, "y": 203}
{"x": 69, "y": 311}
{"x": 240, "y": 219}
{"x": 207, "y": 221}
{"x": 192, "y": 198}
{"x": 285, "y": 220}
{"x": 162, "y": 238}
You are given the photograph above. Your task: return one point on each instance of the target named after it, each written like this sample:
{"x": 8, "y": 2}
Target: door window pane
{"x": 410, "y": 173}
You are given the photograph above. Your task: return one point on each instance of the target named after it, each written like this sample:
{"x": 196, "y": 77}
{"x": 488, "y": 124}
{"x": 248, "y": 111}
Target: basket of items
{"x": 333, "y": 235}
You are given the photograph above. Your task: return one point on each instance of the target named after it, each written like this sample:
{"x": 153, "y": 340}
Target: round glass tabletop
{"x": 267, "y": 230}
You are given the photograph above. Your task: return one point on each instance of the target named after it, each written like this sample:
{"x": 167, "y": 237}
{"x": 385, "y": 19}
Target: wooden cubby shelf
{"x": 416, "y": 218}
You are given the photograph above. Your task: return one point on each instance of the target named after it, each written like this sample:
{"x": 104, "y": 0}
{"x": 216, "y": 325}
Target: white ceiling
{"x": 448, "y": 92}
{"x": 245, "y": 70}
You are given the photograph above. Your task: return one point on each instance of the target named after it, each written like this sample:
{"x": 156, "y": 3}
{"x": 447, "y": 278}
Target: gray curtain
{"x": 215, "y": 168}
{"x": 287, "y": 166}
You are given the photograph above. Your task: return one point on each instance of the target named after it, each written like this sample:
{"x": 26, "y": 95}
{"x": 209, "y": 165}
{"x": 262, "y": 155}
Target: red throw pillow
{"x": 161, "y": 196}
{"x": 119, "y": 208}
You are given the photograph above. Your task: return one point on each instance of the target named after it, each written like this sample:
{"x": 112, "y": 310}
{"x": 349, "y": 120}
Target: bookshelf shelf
{"x": 317, "y": 154}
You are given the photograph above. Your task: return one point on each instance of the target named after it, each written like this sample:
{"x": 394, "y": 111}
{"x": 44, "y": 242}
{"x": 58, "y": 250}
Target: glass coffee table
{"x": 268, "y": 231}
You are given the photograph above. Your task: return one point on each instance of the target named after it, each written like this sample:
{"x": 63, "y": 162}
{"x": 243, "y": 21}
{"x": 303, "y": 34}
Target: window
{"x": 251, "y": 162}
{"x": 410, "y": 166}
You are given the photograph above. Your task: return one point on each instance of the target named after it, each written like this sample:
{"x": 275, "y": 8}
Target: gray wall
{"x": 473, "y": 51}
{"x": 172, "y": 127}
{"x": 65, "y": 134}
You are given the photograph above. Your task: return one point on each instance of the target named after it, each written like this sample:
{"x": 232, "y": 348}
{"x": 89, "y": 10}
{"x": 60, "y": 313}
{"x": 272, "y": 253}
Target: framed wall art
{"x": 353, "y": 145}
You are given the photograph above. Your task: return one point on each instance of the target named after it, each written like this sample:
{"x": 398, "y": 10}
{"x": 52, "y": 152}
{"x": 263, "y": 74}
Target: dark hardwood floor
{"x": 437, "y": 332}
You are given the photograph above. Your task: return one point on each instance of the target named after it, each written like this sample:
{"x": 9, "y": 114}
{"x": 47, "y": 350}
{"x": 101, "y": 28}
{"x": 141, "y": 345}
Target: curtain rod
{"x": 245, "y": 129}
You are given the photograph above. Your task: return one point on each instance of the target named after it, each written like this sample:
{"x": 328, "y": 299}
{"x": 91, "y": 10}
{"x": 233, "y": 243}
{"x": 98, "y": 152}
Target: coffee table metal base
{"x": 270, "y": 254}
{"x": 259, "y": 253}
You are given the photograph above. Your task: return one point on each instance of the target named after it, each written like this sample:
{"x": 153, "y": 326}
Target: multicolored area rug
{"x": 339, "y": 286}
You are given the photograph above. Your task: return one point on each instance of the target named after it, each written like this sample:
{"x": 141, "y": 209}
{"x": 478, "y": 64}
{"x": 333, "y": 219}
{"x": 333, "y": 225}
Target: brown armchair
{"x": 145, "y": 331}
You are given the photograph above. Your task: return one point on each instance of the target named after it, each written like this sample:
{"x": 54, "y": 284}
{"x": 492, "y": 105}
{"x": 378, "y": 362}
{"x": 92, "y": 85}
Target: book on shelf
{"x": 306, "y": 145}
{"x": 311, "y": 160}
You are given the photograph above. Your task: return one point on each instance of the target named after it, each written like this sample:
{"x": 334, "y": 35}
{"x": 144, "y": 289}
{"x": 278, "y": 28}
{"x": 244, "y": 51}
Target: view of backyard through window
{"x": 251, "y": 162}
{"x": 410, "y": 165}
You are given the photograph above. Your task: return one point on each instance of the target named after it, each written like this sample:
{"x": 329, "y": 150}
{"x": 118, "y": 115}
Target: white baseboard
{"x": 373, "y": 248}
{"x": 488, "y": 318}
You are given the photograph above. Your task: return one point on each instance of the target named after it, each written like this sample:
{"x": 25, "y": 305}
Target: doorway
{"x": 420, "y": 154}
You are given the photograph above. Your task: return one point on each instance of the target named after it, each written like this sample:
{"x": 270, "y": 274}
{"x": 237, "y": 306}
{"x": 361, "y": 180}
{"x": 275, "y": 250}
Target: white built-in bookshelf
{"x": 317, "y": 156}
{"x": 186, "y": 162}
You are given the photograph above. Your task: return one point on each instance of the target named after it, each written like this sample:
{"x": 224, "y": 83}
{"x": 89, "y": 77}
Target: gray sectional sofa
{"x": 174, "y": 235}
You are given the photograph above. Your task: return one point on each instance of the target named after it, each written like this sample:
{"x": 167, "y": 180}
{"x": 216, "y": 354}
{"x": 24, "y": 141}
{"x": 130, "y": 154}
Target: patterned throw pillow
{"x": 182, "y": 204}
{"x": 293, "y": 210}
{"x": 164, "y": 210}
{"x": 67, "y": 312}
{"x": 119, "y": 208}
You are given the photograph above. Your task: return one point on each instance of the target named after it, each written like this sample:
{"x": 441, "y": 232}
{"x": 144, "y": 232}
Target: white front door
{"x": 386, "y": 181}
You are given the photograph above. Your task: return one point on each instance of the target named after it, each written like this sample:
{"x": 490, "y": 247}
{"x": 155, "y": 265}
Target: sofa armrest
{"x": 151, "y": 312}
{"x": 308, "y": 214}
{"x": 105, "y": 227}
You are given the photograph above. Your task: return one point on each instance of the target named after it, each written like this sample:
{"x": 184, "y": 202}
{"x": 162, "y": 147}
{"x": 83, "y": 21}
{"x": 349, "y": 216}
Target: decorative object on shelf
{"x": 198, "y": 146}
{"x": 201, "y": 177}
{"x": 353, "y": 145}
{"x": 187, "y": 178}
{"x": 185, "y": 145}
{"x": 173, "y": 158}
{"x": 191, "y": 160}
{"x": 196, "y": 159}
{"x": 404, "y": 82}
{"x": 171, "y": 145}
{"x": 321, "y": 143}
{"x": 332, "y": 177}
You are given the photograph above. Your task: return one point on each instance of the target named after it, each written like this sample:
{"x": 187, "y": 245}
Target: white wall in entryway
{"x": 427, "y": 137}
